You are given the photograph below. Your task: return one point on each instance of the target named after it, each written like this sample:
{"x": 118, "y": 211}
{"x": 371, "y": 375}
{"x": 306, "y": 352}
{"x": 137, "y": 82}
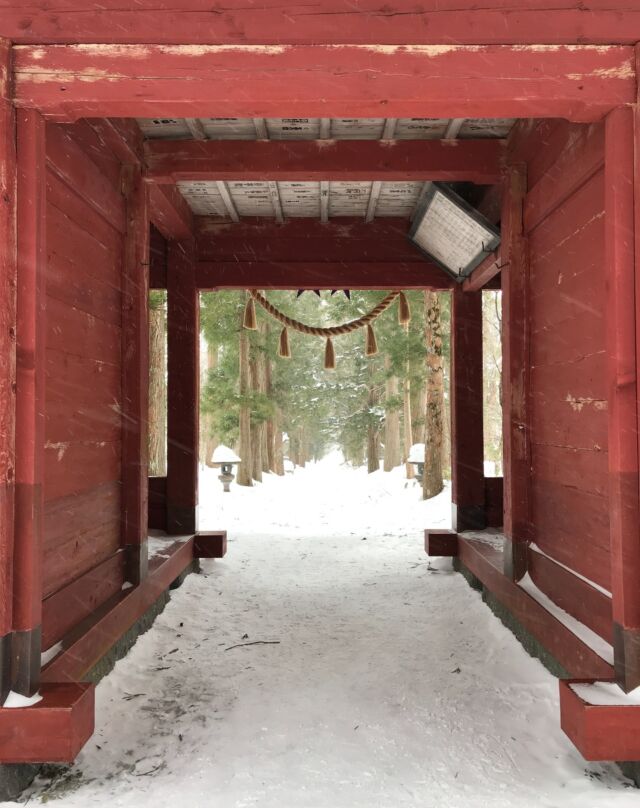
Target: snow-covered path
{"x": 386, "y": 682}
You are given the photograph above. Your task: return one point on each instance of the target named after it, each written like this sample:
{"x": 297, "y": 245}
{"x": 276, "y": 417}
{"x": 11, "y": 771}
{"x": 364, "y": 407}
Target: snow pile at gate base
{"x": 392, "y": 685}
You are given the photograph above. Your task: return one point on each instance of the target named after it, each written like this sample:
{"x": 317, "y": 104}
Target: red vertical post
{"x": 8, "y": 358}
{"x": 135, "y": 376}
{"x": 183, "y": 360}
{"x": 623, "y": 414}
{"x": 515, "y": 374}
{"x": 467, "y": 443}
{"x": 30, "y": 377}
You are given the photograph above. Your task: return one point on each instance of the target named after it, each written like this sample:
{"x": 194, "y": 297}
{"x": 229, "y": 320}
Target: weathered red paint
{"x": 335, "y": 22}
{"x": 477, "y": 161}
{"x": 54, "y": 730}
{"x": 183, "y": 389}
{"x": 580, "y": 83}
{"x": 623, "y": 416}
{"x": 212, "y": 275}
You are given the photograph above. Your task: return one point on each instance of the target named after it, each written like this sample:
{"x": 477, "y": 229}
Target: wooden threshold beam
{"x": 581, "y": 83}
{"x": 217, "y": 275}
{"x": 478, "y": 161}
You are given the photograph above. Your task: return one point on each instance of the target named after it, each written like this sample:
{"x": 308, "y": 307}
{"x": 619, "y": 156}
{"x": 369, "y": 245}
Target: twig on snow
{"x": 255, "y": 642}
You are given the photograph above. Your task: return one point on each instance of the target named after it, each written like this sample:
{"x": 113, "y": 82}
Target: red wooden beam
{"x": 86, "y": 647}
{"x": 580, "y": 83}
{"x": 341, "y": 240}
{"x": 336, "y": 22}
{"x": 183, "y": 365}
{"x": 623, "y": 417}
{"x": 575, "y": 656}
{"x": 515, "y": 374}
{"x": 483, "y": 273}
{"x": 320, "y": 275}
{"x": 8, "y": 354}
{"x": 135, "y": 376}
{"x": 467, "y": 446}
{"x": 599, "y": 731}
{"x": 29, "y": 503}
{"x": 477, "y": 161}
{"x": 52, "y": 731}
{"x": 169, "y": 212}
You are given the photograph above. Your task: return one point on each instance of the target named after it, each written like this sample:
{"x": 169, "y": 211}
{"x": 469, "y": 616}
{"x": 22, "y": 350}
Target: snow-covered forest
{"x": 274, "y": 411}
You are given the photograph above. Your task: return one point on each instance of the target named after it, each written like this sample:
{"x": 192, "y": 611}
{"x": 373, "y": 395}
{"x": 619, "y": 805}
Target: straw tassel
{"x": 404, "y": 312}
{"x": 329, "y": 355}
{"x": 250, "y": 320}
{"x": 371, "y": 346}
{"x": 284, "y": 350}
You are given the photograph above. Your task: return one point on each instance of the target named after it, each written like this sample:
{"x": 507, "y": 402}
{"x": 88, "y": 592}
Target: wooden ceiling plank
{"x": 325, "y": 193}
{"x": 274, "y": 193}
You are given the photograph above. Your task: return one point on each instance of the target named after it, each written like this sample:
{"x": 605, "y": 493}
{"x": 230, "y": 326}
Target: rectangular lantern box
{"x": 608, "y": 731}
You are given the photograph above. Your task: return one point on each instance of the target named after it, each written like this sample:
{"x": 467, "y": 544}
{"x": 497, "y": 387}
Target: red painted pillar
{"x": 467, "y": 444}
{"x": 30, "y": 372}
{"x": 515, "y": 374}
{"x": 8, "y": 359}
{"x": 135, "y": 377}
{"x": 183, "y": 394}
{"x": 624, "y": 512}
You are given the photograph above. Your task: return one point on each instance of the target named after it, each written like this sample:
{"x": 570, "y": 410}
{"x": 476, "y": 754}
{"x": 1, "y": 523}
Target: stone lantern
{"x": 416, "y": 458}
{"x": 225, "y": 459}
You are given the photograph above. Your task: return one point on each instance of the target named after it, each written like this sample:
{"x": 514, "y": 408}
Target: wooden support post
{"x": 467, "y": 445}
{"x": 30, "y": 373}
{"x": 8, "y": 358}
{"x": 515, "y": 374}
{"x": 183, "y": 341}
{"x": 135, "y": 376}
{"x": 623, "y": 415}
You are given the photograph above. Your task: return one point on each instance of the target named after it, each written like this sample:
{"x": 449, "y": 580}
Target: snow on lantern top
{"x": 223, "y": 455}
{"x": 416, "y": 453}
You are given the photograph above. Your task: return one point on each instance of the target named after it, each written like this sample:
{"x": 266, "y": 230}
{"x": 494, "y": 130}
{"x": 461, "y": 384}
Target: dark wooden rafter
{"x": 580, "y": 83}
{"x": 30, "y": 414}
{"x": 337, "y": 22}
{"x": 218, "y": 275}
{"x": 122, "y": 137}
{"x": 478, "y": 161}
{"x": 620, "y": 221}
{"x": 8, "y": 354}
